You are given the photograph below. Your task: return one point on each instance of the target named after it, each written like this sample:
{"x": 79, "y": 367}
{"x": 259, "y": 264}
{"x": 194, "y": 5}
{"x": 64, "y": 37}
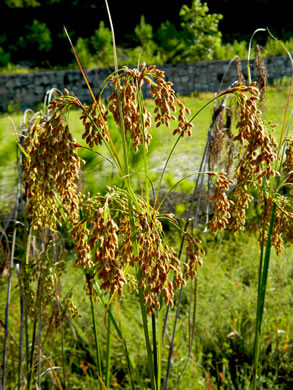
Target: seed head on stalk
{"x": 255, "y": 169}
{"x": 51, "y": 169}
{"x": 104, "y": 245}
{"x": 127, "y": 90}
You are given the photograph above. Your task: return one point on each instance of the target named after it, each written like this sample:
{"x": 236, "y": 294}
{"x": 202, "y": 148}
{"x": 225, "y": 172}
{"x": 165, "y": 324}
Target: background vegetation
{"x": 158, "y": 33}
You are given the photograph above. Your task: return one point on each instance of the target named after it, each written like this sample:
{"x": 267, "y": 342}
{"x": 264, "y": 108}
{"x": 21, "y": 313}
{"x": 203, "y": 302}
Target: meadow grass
{"x": 184, "y": 161}
{"x": 224, "y": 329}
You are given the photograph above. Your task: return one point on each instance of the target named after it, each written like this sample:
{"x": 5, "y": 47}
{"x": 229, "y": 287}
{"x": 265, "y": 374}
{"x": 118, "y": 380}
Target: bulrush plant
{"x": 118, "y": 235}
{"x": 263, "y": 167}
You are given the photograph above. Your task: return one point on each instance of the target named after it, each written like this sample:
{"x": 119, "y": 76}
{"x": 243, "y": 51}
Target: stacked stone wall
{"x": 28, "y": 90}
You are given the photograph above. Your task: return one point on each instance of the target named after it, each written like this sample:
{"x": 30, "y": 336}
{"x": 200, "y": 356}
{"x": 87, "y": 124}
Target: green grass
{"x": 227, "y": 286}
{"x": 185, "y": 160}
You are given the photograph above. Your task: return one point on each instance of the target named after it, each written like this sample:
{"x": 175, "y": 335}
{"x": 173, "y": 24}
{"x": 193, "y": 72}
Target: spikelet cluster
{"x": 128, "y": 110}
{"x": 94, "y": 119}
{"x": 262, "y": 75}
{"x": 256, "y": 166}
{"x": 157, "y": 261}
{"x": 195, "y": 253}
{"x": 221, "y": 202}
{"x": 218, "y": 137}
{"x": 51, "y": 170}
{"x": 104, "y": 241}
{"x": 256, "y": 155}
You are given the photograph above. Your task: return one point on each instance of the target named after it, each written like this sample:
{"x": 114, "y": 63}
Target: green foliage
{"x": 170, "y": 41}
{"x": 22, "y": 3}
{"x": 197, "y": 40}
{"x": 143, "y": 31}
{"x": 200, "y": 32}
{"x": 84, "y": 55}
{"x": 229, "y": 50}
{"x": 101, "y": 44}
{"x": 273, "y": 48}
{"x": 38, "y": 36}
{"x": 4, "y": 56}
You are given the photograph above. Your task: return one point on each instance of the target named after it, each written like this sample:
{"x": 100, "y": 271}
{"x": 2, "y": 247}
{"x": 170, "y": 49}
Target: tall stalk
{"x": 11, "y": 261}
{"x": 108, "y": 351}
{"x": 97, "y": 348}
{"x": 129, "y": 360}
{"x": 146, "y": 335}
{"x": 262, "y": 285}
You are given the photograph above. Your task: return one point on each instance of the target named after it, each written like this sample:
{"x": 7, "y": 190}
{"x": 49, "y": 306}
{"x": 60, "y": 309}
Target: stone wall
{"x": 30, "y": 89}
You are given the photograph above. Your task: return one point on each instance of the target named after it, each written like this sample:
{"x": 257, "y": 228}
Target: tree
{"x": 38, "y": 37}
{"x": 199, "y": 31}
{"x": 171, "y": 43}
{"x": 198, "y": 38}
{"x": 101, "y": 43}
{"x": 146, "y": 51}
{"x": 22, "y": 3}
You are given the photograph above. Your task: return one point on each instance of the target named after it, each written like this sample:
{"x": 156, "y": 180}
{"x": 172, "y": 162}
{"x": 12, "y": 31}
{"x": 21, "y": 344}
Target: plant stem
{"x": 261, "y": 296}
{"x": 11, "y": 264}
{"x": 108, "y": 352}
{"x": 249, "y": 50}
{"x": 20, "y": 339}
{"x": 155, "y": 349}
{"x": 160, "y": 342}
{"x": 31, "y": 361}
{"x": 98, "y": 358}
{"x": 39, "y": 348}
{"x": 130, "y": 362}
{"x": 146, "y": 333}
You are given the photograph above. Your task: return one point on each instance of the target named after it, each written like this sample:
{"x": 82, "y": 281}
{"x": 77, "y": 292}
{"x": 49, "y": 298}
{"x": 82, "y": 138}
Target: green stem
{"x": 155, "y": 349}
{"x": 249, "y": 51}
{"x": 98, "y": 358}
{"x": 31, "y": 361}
{"x": 146, "y": 333}
{"x": 160, "y": 342}
{"x": 130, "y": 362}
{"x": 108, "y": 352}
{"x": 261, "y": 296}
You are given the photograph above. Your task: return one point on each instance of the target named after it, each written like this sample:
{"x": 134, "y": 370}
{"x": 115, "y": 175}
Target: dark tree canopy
{"x": 82, "y": 18}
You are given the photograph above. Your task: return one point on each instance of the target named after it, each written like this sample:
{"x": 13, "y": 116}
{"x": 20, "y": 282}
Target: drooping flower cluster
{"x": 124, "y": 99}
{"x": 94, "y": 119}
{"x": 283, "y": 222}
{"x": 51, "y": 170}
{"x": 107, "y": 243}
{"x": 221, "y": 202}
{"x": 195, "y": 253}
{"x": 257, "y": 153}
{"x": 256, "y": 167}
{"x": 126, "y": 102}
